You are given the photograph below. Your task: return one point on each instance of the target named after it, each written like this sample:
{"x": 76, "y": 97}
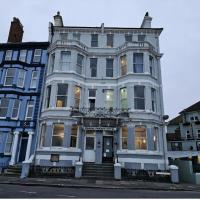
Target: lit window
{"x": 34, "y": 79}
{"x": 74, "y": 133}
{"x": 138, "y": 62}
{"x": 93, "y": 67}
{"x": 8, "y": 146}
{"x": 140, "y": 137}
{"x": 123, "y": 64}
{"x": 43, "y": 133}
{"x": 22, "y": 56}
{"x": 48, "y": 95}
{"x": 79, "y": 65}
{"x": 77, "y": 96}
{"x": 155, "y": 138}
{"x": 15, "y": 110}
{"x": 37, "y": 55}
{"x": 21, "y": 77}
{"x": 8, "y": 55}
{"x": 94, "y": 40}
{"x": 109, "y": 67}
{"x": 9, "y": 78}
{"x": 128, "y": 38}
{"x": 109, "y": 98}
{"x": 65, "y": 60}
{"x": 58, "y": 135}
{"x": 92, "y": 99}
{"x": 29, "y": 110}
{"x": 124, "y": 138}
{"x": 62, "y": 95}
{"x": 153, "y": 99}
{"x": 4, "y": 103}
{"x": 123, "y": 98}
{"x": 109, "y": 40}
{"x": 139, "y": 98}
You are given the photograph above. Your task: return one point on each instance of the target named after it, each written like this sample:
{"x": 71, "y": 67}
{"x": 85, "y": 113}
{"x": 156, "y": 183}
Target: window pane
{"x": 43, "y": 132}
{"x": 74, "y": 132}
{"x": 94, "y": 40}
{"x": 48, "y": 95}
{"x": 93, "y": 67}
{"x": 34, "y": 79}
{"x": 4, "y": 102}
{"x": 128, "y": 38}
{"x": 62, "y": 89}
{"x": 109, "y": 67}
{"x": 123, "y": 63}
{"x": 58, "y": 135}
{"x": 140, "y": 138}
{"x": 9, "y": 78}
{"x": 92, "y": 93}
{"x": 109, "y": 40}
{"x": 123, "y": 98}
{"x": 89, "y": 143}
{"x": 8, "y": 55}
{"x": 15, "y": 110}
{"x": 77, "y": 96}
{"x": 21, "y": 76}
{"x": 139, "y": 98}
{"x": 37, "y": 55}
{"x": 62, "y": 95}
{"x": 29, "y": 112}
{"x": 22, "y": 56}
{"x": 138, "y": 62}
{"x": 109, "y": 98}
{"x": 8, "y": 146}
{"x": 141, "y": 38}
{"x": 155, "y": 138}
{"x": 63, "y": 36}
{"x": 65, "y": 60}
{"x": 124, "y": 138}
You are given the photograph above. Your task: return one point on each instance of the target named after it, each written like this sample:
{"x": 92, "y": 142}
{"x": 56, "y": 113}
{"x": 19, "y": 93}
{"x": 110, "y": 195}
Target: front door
{"x": 89, "y": 147}
{"x": 107, "y": 148}
{"x": 23, "y": 146}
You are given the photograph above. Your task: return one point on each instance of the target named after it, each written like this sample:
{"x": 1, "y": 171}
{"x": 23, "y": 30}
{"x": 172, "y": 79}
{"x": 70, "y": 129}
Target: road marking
{"x": 62, "y": 195}
{"x": 28, "y": 192}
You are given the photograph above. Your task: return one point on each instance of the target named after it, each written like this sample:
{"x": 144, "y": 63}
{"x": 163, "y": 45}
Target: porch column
{"x": 14, "y": 149}
{"x": 28, "y": 149}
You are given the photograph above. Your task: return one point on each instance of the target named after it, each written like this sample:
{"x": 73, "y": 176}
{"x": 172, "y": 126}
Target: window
{"x": 15, "y": 110}
{"x": 8, "y": 55}
{"x": 128, "y": 38}
{"x": 93, "y": 67}
{"x": 34, "y": 79}
{"x": 77, "y": 96}
{"x": 21, "y": 77}
{"x": 138, "y": 62}
{"x": 63, "y": 36}
{"x": 90, "y": 140}
{"x": 188, "y": 134}
{"x": 109, "y": 40}
{"x": 153, "y": 99}
{"x": 58, "y": 135}
{"x": 94, "y": 40}
{"x": 74, "y": 133}
{"x": 192, "y": 118}
{"x": 62, "y": 95}
{"x": 52, "y": 61}
{"x": 4, "y": 103}
{"x": 124, "y": 138}
{"x": 8, "y": 146}
{"x": 176, "y": 146}
{"x": 109, "y": 67}
{"x": 65, "y": 60}
{"x": 37, "y": 55}
{"x": 198, "y": 134}
{"x": 196, "y": 118}
{"x": 123, "y": 64}
{"x": 151, "y": 66}
{"x": 139, "y": 99}
{"x": 42, "y": 137}
{"x": 140, "y": 137}
{"x": 141, "y": 38}
{"x": 76, "y": 36}
{"x": 48, "y": 95}
{"x": 123, "y": 98}
{"x": 79, "y": 65}
{"x": 92, "y": 98}
{"x": 155, "y": 138}
{"x": 29, "y": 110}
{"x": 9, "y": 78}
{"x": 109, "y": 98}
{"x": 22, "y": 56}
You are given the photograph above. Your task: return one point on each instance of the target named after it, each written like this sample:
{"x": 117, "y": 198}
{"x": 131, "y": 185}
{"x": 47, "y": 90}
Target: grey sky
{"x": 179, "y": 41}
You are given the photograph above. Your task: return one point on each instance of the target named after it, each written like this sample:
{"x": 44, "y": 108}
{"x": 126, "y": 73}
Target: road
{"x": 19, "y": 191}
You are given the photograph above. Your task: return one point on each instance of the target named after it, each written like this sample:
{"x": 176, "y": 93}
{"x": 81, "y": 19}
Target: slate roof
{"x": 194, "y": 107}
{"x": 176, "y": 120}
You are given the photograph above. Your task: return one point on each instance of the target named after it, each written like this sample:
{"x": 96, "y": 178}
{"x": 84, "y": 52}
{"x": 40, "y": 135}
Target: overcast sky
{"x": 180, "y": 40}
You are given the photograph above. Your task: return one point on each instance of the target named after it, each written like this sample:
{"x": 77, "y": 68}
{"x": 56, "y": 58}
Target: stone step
{"x": 11, "y": 174}
{"x": 98, "y": 177}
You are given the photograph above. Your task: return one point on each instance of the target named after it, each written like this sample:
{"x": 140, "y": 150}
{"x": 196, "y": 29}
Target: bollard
{"x": 117, "y": 171}
{"x": 78, "y": 169}
{"x": 174, "y": 174}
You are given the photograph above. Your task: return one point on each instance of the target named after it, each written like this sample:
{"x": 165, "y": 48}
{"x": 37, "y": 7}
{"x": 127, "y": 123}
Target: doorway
{"x": 23, "y": 146}
{"x": 107, "y": 149}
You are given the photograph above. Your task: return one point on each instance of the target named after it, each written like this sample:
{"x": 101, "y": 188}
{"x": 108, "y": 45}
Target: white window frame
{"x": 37, "y": 55}
{"x": 34, "y": 79}
{"x": 157, "y": 138}
{"x": 48, "y": 96}
{"x": 146, "y": 137}
{"x": 75, "y": 137}
{"x": 121, "y": 143}
{"x": 153, "y": 100}
{"x": 17, "y": 109}
{"x": 91, "y": 97}
{"x": 107, "y": 102}
{"x": 139, "y": 98}
{"x": 123, "y": 66}
{"x": 8, "y": 55}
{"x": 4, "y": 107}
{"x": 6, "y": 76}
{"x": 77, "y": 98}
{"x": 52, "y": 135}
{"x": 42, "y": 135}
{"x": 66, "y": 95}
{"x": 22, "y": 55}
{"x": 11, "y": 143}
{"x": 27, "y": 108}
{"x": 23, "y": 78}
{"x": 124, "y": 99}
{"x": 79, "y": 67}
{"x": 65, "y": 65}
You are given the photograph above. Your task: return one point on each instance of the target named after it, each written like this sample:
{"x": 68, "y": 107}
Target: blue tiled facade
{"x": 22, "y": 70}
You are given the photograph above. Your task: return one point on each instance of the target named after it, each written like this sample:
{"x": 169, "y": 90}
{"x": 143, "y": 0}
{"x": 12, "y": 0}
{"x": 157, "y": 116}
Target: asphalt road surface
{"x": 18, "y": 191}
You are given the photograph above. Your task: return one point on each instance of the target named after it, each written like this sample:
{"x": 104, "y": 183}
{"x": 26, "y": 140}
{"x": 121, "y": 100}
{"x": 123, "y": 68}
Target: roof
{"x": 194, "y": 107}
{"x": 176, "y": 120}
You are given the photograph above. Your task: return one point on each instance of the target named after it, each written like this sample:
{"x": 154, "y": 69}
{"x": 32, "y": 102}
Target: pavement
{"x": 104, "y": 184}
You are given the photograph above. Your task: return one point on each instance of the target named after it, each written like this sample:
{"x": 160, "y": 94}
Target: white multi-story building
{"x": 103, "y": 98}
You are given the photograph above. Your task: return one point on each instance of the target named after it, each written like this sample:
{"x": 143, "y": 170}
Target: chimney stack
{"x": 146, "y": 23}
{"x": 58, "y": 20}
{"x": 16, "y": 31}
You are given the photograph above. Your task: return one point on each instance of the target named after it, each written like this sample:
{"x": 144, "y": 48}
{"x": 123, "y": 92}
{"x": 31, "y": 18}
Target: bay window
{"x": 29, "y": 110}
{"x": 9, "y": 78}
{"x": 58, "y": 135}
{"x": 124, "y": 137}
{"x": 21, "y": 77}
{"x": 79, "y": 65}
{"x": 109, "y": 98}
{"x": 138, "y": 63}
{"x": 15, "y": 109}
{"x": 123, "y": 65}
{"x": 34, "y": 79}
{"x": 140, "y": 137}
{"x": 74, "y": 133}
{"x": 8, "y": 145}
{"x": 43, "y": 133}
{"x": 62, "y": 94}
{"x": 77, "y": 96}
{"x": 123, "y": 98}
{"x": 4, "y": 103}
{"x": 139, "y": 97}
